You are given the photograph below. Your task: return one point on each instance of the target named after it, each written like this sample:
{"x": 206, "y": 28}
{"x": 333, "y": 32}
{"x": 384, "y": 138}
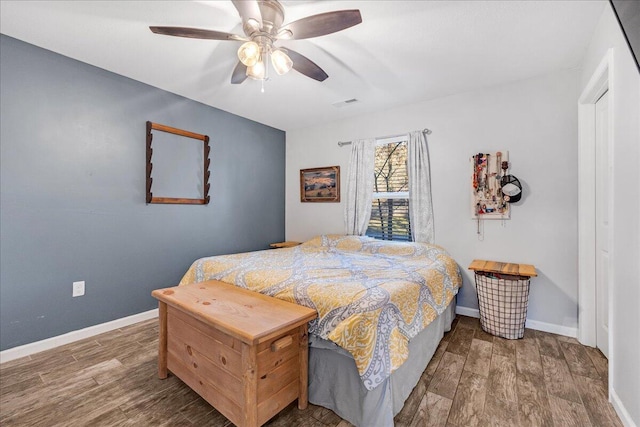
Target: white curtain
{"x": 360, "y": 187}
{"x": 420, "y": 203}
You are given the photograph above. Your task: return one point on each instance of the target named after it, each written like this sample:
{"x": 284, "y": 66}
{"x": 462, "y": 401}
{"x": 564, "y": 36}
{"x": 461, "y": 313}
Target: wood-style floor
{"x": 474, "y": 379}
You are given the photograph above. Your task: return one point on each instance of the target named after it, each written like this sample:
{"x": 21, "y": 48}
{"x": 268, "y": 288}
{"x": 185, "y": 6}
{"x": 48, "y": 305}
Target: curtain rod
{"x": 425, "y": 130}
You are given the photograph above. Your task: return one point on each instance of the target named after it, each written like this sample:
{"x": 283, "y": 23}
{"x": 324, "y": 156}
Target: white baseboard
{"x": 622, "y": 412}
{"x": 550, "y": 327}
{"x": 470, "y": 312}
{"x": 49, "y": 343}
{"x": 531, "y": 324}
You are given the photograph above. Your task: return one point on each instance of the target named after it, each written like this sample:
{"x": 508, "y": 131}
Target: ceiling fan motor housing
{"x": 272, "y": 18}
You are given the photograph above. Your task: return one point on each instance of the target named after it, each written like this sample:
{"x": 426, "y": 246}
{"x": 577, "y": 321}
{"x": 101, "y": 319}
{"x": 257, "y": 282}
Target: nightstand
{"x": 280, "y": 245}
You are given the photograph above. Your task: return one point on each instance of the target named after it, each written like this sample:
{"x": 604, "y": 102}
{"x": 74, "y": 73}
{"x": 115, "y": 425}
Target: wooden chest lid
{"x": 249, "y": 316}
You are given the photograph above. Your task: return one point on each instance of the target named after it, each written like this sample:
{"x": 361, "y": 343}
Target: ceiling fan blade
{"x": 322, "y": 24}
{"x": 248, "y": 9}
{"x": 304, "y": 65}
{"x": 196, "y": 33}
{"x": 239, "y": 74}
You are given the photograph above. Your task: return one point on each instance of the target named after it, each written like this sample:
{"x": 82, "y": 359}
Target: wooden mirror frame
{"x": 205, "y": 182}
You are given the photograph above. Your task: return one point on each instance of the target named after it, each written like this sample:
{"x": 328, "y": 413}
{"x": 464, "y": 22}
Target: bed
{"x": 382, "y": 309}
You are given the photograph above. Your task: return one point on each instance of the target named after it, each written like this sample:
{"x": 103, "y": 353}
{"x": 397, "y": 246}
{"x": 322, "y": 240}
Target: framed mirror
{"x": 177, "y": 166}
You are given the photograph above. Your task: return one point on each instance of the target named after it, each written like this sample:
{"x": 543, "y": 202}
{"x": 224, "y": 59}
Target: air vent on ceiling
{"x": 345, "y": 103}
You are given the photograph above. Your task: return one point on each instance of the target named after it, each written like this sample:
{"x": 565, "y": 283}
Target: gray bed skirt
{"x": 335, "y": 384}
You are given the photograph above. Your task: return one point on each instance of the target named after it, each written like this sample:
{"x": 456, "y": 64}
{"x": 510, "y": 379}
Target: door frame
{"x": 600, "y": 82}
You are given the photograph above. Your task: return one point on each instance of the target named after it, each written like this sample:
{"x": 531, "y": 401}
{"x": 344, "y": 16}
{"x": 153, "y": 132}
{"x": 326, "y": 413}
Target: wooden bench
{"x": 245, "y": 353}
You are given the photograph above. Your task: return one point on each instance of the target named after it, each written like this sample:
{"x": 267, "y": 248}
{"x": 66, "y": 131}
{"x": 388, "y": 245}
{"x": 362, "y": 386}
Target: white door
{"x": 603, "y": 192}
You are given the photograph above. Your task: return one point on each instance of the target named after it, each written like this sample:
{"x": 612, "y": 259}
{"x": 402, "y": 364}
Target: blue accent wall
{"x": 72, "y": 202}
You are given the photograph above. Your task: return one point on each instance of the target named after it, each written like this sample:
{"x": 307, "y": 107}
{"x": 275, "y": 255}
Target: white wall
{"x": 535, "y": 120}
{"x": 625, "y": 329}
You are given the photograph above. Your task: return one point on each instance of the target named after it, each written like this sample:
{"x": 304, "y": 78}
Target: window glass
{"x": 390, "y": 207}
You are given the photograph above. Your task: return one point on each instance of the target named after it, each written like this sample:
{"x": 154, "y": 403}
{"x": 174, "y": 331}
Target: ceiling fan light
{"x": 281, "y": 62}
{"x": 256, "y": 71}
{"x": 249, "y": 53}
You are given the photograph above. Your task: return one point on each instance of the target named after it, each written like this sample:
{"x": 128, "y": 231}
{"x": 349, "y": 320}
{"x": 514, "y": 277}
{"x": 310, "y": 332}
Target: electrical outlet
{"x": 78, "y": 289}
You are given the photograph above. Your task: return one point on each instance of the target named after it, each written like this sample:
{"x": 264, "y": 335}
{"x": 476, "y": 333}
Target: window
{"x": 390, "y": 208}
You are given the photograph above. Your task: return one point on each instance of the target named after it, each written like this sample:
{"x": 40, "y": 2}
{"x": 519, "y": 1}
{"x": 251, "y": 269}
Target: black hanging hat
{"x": 511, "y": 188}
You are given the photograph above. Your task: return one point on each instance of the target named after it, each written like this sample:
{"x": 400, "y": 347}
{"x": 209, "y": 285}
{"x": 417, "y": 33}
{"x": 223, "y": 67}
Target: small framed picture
{"x": 320, "y": 184}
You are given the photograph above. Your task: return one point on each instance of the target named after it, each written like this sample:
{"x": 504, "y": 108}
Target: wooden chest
{"x": 245, "y": 353}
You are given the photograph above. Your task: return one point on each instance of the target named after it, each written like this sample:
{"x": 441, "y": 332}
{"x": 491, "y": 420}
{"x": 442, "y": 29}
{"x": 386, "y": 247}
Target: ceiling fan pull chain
{"x": 266, "y": 69}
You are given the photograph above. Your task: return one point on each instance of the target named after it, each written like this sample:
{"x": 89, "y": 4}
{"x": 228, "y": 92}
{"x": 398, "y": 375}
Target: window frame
{"x": 393, "y": 195}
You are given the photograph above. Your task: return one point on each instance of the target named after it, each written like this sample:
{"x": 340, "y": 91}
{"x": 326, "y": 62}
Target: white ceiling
{"x": 403, "y": 52}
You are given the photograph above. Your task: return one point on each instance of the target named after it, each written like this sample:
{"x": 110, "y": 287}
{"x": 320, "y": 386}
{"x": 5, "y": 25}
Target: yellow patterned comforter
{"x": 372, "y": 296}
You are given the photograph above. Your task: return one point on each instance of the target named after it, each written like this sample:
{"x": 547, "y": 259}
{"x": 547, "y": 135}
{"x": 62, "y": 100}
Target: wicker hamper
{"x": 503, "y": 298}
{"x": 503, "y": 301}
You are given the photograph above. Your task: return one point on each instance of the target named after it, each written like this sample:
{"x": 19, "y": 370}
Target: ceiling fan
{"x": 262, "y": 24}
